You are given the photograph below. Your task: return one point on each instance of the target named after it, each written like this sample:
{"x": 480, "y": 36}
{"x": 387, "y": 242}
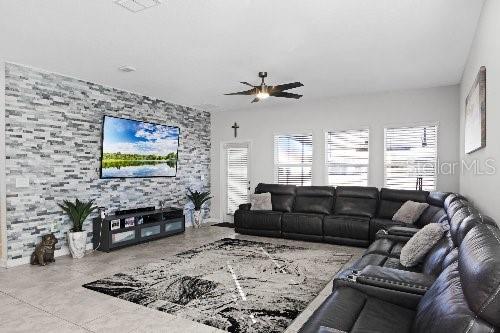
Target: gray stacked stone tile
{"x": 53, "y": 138}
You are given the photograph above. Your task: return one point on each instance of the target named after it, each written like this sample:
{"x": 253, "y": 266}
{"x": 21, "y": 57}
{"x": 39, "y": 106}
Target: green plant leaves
{"x": 77, "y": 212}
{"x": 198, "y": 198}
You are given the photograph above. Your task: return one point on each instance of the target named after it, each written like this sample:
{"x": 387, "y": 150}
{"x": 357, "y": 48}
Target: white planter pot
{"x": 77, "y": 242}
{"x": 197, "y": 219}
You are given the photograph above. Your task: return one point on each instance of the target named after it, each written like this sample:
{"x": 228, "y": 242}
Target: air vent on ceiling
{"x": 138, "y": 5}
{"x": 127, "y": 69}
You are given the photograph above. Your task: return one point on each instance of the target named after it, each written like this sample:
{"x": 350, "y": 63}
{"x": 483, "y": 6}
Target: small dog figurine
{"x": 44, "y": 251}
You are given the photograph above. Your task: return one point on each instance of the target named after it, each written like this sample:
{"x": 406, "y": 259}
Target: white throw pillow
{"x": 419, "y": 245}
{"x": 410, "y": 212}
{"x": 261, "y": 201}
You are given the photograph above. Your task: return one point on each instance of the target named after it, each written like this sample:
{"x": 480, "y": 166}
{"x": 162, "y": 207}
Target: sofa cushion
{"x": 376, "y": 259}
{"x": 350, "y": 310}
{"x": 444, "y": 308}
{"x": 420, "y": 244}
{"x": 451, "y": 198}
{"x": 479, "y": 267}
{"x": 433, "y": 214}
{"x": 257, "y": 219}
{"x": 355, "y": 227}
{"x": 410, "y": 212}
{"x": 436, "y": 212}
{"x": 391, "y": 200}
{"x": 261, "y": 201}
{"x": 385, "y": 246}
{"x": 457, "y": 233}
{"x": 356, "y": 201}
{"x": 282, "y": 196}
{"x": 455, "y": 206}
{"x": 436, "y": 198}
{"x": 382, "y": 260}
{"x": 467, "y": 224}
{"x": 465, "y": 297}
{"x": 302, "y": 223}
{"x": 402, "y": 231}
{"x": 314, "y": 199}
{"x": 377, "y": 224}
{"x": 435, "y": 261}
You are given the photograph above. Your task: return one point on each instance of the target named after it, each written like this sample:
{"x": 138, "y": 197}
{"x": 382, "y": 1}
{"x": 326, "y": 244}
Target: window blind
{"x": 293, "y": 159}
{"x": 411, "y": 153}
{"x": 347, "y": 157}
{"x": 237, "y": 176}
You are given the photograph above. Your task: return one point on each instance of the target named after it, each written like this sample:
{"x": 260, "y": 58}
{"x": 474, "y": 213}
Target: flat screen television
{"x": 137, "y": 149}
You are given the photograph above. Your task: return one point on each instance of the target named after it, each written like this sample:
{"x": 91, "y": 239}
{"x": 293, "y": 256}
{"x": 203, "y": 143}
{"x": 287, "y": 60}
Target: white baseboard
{"x": 64, "y": 251}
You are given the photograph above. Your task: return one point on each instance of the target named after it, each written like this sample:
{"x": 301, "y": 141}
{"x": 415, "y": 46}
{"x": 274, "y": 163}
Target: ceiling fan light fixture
{"x": 262, "y": 95}
{"x": 263, "y": 91}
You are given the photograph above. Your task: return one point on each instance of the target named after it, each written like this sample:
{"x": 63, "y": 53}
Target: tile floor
{"x": 52, "y": 299}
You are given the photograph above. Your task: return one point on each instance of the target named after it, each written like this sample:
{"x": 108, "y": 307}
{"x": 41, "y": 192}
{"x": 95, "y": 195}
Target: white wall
{"x": 483, "y": 190}
{"x": 375, "y": 111}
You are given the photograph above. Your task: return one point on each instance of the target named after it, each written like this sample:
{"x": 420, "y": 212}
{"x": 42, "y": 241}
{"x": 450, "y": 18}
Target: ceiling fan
{"x": 264, "y": 91}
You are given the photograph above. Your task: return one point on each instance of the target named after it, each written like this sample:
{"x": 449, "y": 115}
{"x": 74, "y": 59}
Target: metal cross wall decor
{"x": 235, "y": 127}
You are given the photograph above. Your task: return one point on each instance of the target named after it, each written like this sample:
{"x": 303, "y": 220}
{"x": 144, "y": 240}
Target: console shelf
{"x": 148, "y": 225}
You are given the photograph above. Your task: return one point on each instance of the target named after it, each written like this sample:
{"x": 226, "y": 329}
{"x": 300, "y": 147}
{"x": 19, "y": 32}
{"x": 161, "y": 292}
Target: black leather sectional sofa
{"x": 344, "y": 215}
{"x": 455, "y": 289}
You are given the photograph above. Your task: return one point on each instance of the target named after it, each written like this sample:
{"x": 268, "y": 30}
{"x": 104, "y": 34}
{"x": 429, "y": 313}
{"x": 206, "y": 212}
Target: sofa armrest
{"x": 395, "y": 279}
{"x": 385, "y": 234}
{"x": 401, "y": 298}
{"x": 402, "y": 231}
{"x": 245, "y": 206}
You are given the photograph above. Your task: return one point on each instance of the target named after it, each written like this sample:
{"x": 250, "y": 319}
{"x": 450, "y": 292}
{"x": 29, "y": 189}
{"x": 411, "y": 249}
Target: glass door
{"x": 237, "y": 180}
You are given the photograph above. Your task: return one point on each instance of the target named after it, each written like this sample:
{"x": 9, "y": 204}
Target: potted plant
{"x": 198, "y": 199}
{"x": 77, "y": 213}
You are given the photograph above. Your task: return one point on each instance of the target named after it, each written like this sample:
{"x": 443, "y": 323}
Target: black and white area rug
{"x": 232, "y": 284}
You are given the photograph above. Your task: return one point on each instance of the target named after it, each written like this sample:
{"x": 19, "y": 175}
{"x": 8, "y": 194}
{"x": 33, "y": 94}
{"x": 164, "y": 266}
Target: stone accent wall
{"x": 53, "y": 139}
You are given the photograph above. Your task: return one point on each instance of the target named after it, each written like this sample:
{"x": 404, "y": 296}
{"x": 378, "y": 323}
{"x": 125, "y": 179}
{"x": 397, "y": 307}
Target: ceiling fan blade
{"x": 286, "y": 86}
{"x": 286, "y": 95}
{"x": 248, "y": 84}
{"x": 246, "y": 92}
{"x": 255, "y": 100}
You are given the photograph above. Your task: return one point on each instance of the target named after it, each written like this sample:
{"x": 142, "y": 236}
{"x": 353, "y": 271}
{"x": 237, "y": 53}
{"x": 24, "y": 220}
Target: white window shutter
{"x": 347, "y": 157}
{"x": 293, "y": 159}
{"x": 411, "y": 153}
{"x": 237, "y": 176}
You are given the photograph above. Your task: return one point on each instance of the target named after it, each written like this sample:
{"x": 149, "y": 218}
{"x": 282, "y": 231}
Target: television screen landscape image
{"x": 133, "y": 149}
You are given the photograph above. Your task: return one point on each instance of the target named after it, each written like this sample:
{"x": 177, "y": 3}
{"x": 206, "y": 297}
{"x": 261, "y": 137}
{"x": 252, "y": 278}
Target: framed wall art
{"x": 475, "y": 114}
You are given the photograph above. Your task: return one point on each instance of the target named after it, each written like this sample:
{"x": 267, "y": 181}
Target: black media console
{"x": 136, "y": 226}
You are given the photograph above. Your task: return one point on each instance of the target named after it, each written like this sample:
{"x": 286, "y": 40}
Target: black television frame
{"x": 147, "y": 122}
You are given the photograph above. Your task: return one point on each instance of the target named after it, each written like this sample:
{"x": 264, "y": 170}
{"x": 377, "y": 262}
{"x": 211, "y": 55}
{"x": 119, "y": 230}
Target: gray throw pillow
{"x": 410, "y": 212}
{"x": 261, "y": 201}
{"x": 419, "y": 245}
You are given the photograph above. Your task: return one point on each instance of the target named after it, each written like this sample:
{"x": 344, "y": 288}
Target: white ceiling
{"x": 192, "y": 51}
